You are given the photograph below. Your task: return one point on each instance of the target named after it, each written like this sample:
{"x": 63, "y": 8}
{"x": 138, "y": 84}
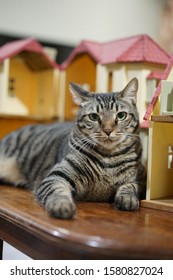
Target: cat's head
{"x": 107, "y": 118}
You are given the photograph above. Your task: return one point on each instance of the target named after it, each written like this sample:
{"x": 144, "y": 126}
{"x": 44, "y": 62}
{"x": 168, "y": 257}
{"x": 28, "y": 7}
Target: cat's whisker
{"x": 133, "y": 135}
{"x": 84, "y": 142}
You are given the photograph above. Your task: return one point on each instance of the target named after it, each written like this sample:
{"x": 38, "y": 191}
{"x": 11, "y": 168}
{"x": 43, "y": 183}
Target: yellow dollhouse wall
{"x": 24, "y": 83}
{"x": 9, "y": 105}
{"x": 160, "y": 177}
{"x": 82, "y": 70}
{"x": 35, "y": 89}
{"x": 156, "y": 110}
{"x": 45, "y": 97}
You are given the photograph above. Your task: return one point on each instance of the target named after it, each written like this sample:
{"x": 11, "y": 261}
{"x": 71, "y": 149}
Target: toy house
{"x": 160, "y": 152}
{"x": 109, "y": 66}
{"x": 28, "y": 80}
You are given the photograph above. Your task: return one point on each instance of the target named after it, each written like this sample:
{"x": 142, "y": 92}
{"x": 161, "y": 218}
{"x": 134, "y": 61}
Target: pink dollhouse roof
{"x": 158, "y": 89}
{"x": 155, "y": 75}
{"x": 140, "y": 48}
{"x": 36, "y": 53}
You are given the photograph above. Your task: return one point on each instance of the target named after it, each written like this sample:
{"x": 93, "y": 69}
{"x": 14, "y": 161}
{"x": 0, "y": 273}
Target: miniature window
{"x": 170, "y": 102}
{"x": 1, "y": 67}
{"x": 166, "y": 101}
{"x": 170, "y": 157}
{"x": 11, "y": 88}
{"x": 110, "y": 82}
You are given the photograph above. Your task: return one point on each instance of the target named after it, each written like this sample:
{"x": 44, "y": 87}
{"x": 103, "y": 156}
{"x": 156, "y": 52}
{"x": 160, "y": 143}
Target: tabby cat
{"x": 97, "y": 158}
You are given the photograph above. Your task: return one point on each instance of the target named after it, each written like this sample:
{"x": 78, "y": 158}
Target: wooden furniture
{"x": 99, "y": 231}
{"x": 159, "y": 193}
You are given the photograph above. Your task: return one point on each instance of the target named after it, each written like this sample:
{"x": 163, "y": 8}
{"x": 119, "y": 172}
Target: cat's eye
{"x": 94, "y": 117}
{"x": 121, "y": 116}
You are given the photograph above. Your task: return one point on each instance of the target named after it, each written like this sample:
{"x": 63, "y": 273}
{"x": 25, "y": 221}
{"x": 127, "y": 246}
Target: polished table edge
{"x": 62, "y": 241}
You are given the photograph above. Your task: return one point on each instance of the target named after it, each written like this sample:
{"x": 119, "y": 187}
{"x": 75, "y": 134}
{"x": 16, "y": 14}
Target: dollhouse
{"x": 96, "y": 66}
{"x": 105, "y": 67}
{"x": 160, "y": 151}
{"x": 28, "y": 80}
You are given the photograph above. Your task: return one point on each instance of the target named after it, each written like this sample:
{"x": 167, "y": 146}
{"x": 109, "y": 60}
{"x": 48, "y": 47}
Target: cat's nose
{"x": 107, "y": 131}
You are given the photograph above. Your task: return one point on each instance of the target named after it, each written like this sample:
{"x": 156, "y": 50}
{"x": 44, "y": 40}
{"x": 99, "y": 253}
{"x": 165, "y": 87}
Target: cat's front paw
{"x": 61, "y": 208}
{"x": 127, "y": 202}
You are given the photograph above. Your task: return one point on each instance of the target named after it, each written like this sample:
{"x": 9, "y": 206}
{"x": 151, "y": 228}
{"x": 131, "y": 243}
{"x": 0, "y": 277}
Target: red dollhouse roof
{"x": 155, "y": 75}
{"x": 139, "y": 48}
{"x": 158, "y": 89}
{"x": 31, "y": 51}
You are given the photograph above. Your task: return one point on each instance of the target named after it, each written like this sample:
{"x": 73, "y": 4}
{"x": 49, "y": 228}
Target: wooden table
{"x": 99, "y": 231}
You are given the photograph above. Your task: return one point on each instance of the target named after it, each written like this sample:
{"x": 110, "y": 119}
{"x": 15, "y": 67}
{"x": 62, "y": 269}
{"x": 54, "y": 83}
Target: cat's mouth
{"x": 108, "y": 141}
{"x": 110, "y": 138}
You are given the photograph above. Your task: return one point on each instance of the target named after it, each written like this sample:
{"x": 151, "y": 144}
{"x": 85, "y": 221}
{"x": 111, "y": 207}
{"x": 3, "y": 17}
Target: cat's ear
{"x": 130, "y": 91}
{"x": 79, "y": 94}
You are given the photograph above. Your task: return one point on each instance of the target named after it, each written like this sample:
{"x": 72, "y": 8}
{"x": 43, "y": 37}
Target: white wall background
{"x": 70, "y": 21}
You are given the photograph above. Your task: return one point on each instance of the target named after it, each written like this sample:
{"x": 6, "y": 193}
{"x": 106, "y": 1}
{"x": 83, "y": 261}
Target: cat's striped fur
{"x": 95, "y": 159}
